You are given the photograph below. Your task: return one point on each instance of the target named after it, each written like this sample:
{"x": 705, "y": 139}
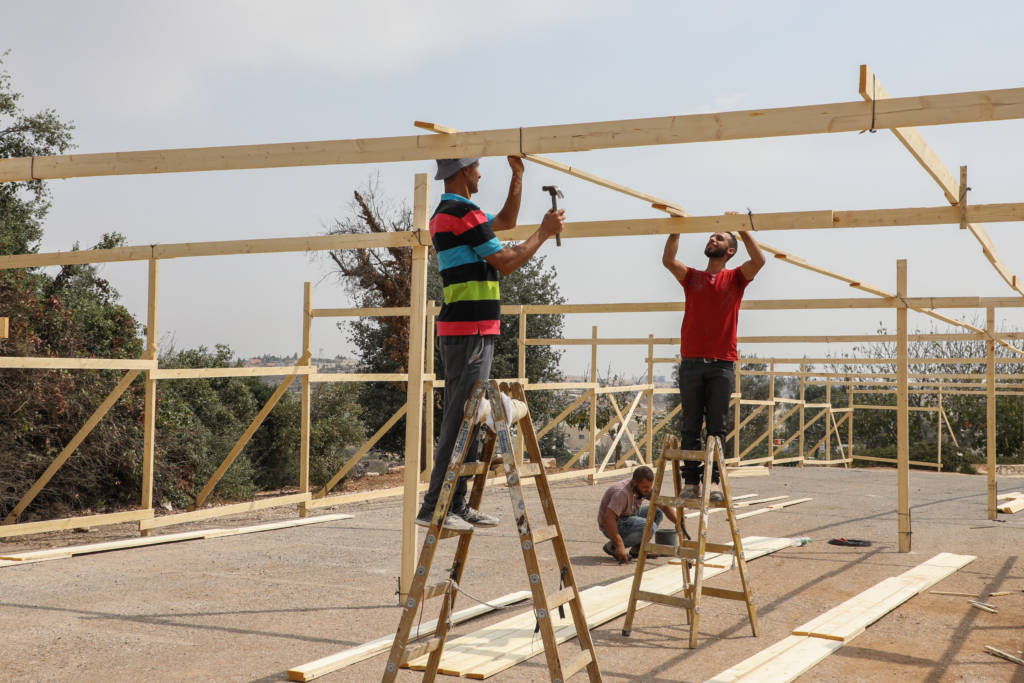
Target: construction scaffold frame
{"x": 878, "y": 110}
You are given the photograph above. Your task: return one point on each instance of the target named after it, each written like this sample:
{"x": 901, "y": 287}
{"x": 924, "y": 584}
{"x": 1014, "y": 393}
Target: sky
{"x": 141, "y": 74}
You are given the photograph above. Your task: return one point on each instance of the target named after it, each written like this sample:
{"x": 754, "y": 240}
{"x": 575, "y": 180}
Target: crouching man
{"x": 623, "y": 514}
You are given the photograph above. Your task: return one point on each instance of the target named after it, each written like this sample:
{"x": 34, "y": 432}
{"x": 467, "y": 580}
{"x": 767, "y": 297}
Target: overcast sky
{"x": 148, "y": 75}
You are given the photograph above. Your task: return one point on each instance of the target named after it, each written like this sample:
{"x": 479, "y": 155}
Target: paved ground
{"x": 247, "y": 608}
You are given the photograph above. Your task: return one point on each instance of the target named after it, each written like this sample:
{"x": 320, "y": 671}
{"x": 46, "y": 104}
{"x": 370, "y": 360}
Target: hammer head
{"x": 553, "y": 191}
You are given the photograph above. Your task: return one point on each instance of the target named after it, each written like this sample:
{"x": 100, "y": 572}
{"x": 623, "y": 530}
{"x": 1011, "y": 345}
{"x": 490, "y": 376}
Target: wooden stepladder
{"x": 497, "y": 444}
{"x": 691, "y": 552}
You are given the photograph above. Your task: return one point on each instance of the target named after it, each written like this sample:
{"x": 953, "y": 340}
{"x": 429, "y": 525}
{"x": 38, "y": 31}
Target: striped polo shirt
{"x": 463, "y": 237}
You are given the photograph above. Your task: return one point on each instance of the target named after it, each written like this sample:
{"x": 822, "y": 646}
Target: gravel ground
{"x": 248, "y": 608}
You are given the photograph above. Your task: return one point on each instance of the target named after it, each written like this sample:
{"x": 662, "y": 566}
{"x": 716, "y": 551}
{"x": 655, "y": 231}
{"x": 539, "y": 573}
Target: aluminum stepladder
{"x": 691, "y": 552}
{"x": 499, "y": 443}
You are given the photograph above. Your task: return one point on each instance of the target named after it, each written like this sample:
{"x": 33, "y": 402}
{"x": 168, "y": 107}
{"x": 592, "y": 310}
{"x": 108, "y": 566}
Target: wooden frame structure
{"x": 879, "y": 111}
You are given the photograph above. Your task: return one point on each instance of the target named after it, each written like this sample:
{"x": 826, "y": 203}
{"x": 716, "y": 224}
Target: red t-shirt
{"x": 712, "y": 309}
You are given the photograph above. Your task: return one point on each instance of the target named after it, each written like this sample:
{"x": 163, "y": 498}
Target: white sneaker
{"x": 451, "y": 522}
{"x": 477, "y": 518}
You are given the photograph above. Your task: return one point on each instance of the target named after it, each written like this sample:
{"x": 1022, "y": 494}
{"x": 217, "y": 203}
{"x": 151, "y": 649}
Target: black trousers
{"x": 705, "y": 386}
{"x": 465, "y": 359}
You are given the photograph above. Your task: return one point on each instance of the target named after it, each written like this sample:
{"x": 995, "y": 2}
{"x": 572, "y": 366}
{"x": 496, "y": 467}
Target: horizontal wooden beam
{"x": 790, "y": 220}
{"x": 927, "y": 110}
{"x": 223, "y": 510}
{"x": 39, "y": 363}
{"x": 75, "y": 522}
{"x": 655, "y": 202}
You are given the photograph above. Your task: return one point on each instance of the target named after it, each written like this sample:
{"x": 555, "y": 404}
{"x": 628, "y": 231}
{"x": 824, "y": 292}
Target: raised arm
{"x": 669, "y": 260}
{"x": 510, "y": 259}
{"x": 509, "y": 214}
{"x": 756, "y": 260}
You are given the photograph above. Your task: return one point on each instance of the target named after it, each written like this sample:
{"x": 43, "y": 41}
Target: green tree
{"x": 74, "y": 313}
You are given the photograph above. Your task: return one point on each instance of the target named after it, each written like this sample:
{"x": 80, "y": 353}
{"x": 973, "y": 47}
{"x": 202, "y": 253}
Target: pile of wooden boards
{"x": 1010, "y": 502}
{"x": 823, "y": 635}
{"x": 502, "y": 645}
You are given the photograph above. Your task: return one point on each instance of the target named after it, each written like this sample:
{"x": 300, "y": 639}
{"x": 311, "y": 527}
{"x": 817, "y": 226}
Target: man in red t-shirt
{"x": 708, "y": 348}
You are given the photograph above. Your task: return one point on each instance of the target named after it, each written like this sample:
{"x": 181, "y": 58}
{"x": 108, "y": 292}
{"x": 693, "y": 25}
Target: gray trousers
{"x": 465, "y": 359}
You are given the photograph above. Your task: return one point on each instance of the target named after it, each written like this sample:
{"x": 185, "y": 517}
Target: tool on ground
{"x": 691, "y": 552}
{"x": 556, "y": 194}
{"x": 507, "y": 407}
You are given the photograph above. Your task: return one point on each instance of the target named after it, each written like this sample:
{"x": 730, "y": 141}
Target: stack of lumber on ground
{"x": 339, "y": 660}
{"x": 504, "y": 644}
{"x": 1011, "y": 502}
{"x": 823, "y": 635}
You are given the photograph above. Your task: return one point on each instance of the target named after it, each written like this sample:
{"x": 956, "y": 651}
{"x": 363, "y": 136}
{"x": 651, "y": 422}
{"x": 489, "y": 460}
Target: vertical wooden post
{"x": 593, "y": 403}
{"x": 902, "y": 411}
{"x": 521, "y": 374}
{"x": 990, "y": 409}
{"x": 414, "y": 389}
{"x": 737, "y": 411}
{"x": 803, "y": 395}
{"x": 149, "y": 416}
{"x": 849, "y": 424}
{"x": 938, "y": 433}
{"x": 428, "y": 395}
{"x": 771, "y": 414}
{"x": 828, "y": 420}
{"x": 650, "y": 399}
{"x": 304, "y": 406}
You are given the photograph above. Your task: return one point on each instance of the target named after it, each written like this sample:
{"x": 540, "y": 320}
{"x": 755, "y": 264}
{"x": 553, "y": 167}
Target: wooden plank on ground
{"x": 818, "y": 638}
{"x": 339, "y": 660}
{"x": 271, "y": 526}
{"x": 12, "y": 563}
{"x": 68, "y": 551}
{"x": 1011, "y": 505}
{"x": 500, "y": 646}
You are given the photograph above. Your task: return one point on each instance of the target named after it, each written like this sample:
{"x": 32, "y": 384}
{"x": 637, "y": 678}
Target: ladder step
{"x": 471, "y": 468}
{"x": 448, "y": 533}
{"x": 723, "y": 593}
{"x": 676, "y": 454}
{"x": 690, "y": 503}
{"x": 545, "y": 534}
{"x": 662, "y": 599}
{"x": 578, "y": 663}
{"x": 434, "y": 590}
{"x": 560, "y": 598}
{"x": 419, "y": 650}
{"x": 529, "y": 469}
{"x": 710, "y": 547}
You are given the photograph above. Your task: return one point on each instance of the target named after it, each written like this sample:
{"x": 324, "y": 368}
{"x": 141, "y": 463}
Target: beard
{"x": 711, "y": 252}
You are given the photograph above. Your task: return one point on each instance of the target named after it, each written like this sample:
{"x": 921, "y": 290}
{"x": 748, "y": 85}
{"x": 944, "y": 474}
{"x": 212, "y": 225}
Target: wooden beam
{"x": 656, "y": 203}
{"x": 927, "y": 110}
{"x": 5, "y": 327}
{"x": 990, "y": 414}
{"x": 40, "y": 363}
{"x": 414, "y": 387}
{"x": 223, "y": 510}
{"x": 902, "y": 416}
{"x": 956, "y": 193}
{"x": 790, "y": 220}
{"x": 74, "y": 522}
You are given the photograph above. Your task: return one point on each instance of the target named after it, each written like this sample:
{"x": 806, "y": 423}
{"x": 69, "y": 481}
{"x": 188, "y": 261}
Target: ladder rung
{"x": 723, "y": 593}
{"x": 676, "y": 454}
{"x": 661, "y": 598}
{"x": 471, "y": 468}
{"x": 560, "y": 598}
{"x": 434, "y": 590}
{"x": 709, "y": 547}
{"x": 671, "y": 501}
{"x": 419, "y": 650}
{"x": 448, "y": 533}
{"x": 545, "y": 534}
{"x": 577, "y": 664}
{"x": 529, "y": 469}
{"x": 660, "y": 549}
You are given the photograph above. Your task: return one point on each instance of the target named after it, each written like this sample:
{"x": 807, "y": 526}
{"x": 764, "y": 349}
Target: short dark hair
{"x": 643, "y": 473}
{"x": 732, "y": 239}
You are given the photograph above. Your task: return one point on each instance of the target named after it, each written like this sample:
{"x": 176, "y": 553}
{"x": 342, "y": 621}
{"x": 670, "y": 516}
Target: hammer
{"x": 555, "y": 194}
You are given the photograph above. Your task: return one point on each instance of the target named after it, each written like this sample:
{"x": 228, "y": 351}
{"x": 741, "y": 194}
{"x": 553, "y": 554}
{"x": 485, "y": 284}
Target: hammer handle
{"x": 554, "y": 207}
